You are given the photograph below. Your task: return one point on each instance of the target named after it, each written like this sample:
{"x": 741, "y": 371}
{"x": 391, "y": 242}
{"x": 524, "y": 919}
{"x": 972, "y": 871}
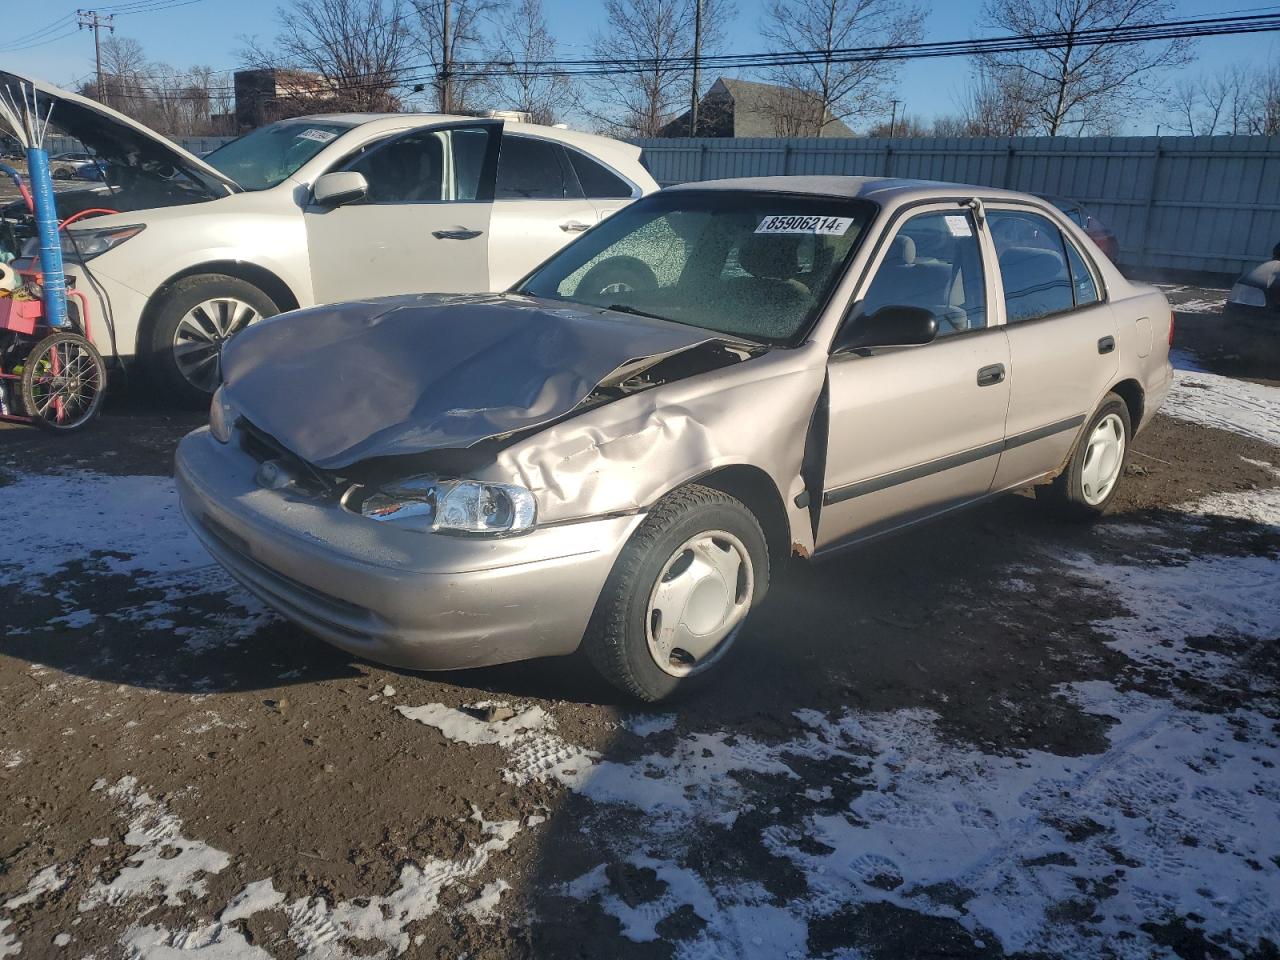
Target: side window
{"x": 407, "y": 170}
{"x": 531, "y": 169}
{"x": 1082, "y": 283}
{"x": 598, "y": 182}
{"x": 1033, "y": 265}
{"x": 933, "y": 262}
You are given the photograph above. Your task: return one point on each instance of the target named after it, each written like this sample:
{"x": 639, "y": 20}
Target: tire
{"x": 617, "y": 275}
{"x": 671, "y": 547}
{"x": 209, "y": 305}
{"x": 70, "y": 398}
{"x": 1080, "y": 492}
{"x": 60, "y": 173}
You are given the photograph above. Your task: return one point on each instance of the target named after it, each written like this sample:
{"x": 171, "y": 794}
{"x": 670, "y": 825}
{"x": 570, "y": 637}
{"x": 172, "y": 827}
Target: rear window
{"x": 531, "y": 169}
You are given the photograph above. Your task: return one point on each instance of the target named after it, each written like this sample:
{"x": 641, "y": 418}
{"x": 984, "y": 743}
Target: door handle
{"x": 457, "y": 233}
{"x": 574, "y": 226}
{"x": 990, "y": 376}
{"x": 1106, "y": 344}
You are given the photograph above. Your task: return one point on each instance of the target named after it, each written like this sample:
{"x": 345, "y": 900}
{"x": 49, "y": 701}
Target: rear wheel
{"x": 679, "y": 594}
{"x": 194, "y": 320}
{"x": 1089, "y": 483}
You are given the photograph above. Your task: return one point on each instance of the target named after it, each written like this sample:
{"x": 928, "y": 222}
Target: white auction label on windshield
{"x": 319, "y": 136}
{"x": 831, "y": 226}
{"x": 959, "y": 226}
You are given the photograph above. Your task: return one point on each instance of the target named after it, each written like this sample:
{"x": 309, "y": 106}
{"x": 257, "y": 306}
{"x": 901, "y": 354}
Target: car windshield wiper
{"x": 635, "y": 311}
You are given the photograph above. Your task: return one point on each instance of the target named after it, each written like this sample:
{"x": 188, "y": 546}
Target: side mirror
{"x": 335, "y": 189}
{"x": 891, "y": 326}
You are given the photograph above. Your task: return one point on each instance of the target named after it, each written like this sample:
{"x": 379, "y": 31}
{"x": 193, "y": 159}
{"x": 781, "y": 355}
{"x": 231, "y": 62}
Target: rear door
{"x": 538, "y": 207}
{"x": 1062, "y": 340}
{"x": 424, "y": 226}
{"x": 914, "y": 431}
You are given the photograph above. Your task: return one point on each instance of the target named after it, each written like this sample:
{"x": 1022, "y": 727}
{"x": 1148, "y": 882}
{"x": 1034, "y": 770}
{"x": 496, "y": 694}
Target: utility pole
{"x": 446, "y": 98}
{"x": 91, "y": 19}
{"x": 697, "y": 56}
{"x": 893, "y": 118}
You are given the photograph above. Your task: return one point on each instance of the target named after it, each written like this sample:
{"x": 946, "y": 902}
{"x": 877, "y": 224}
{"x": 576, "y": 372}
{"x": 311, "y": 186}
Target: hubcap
{"x": 698, "y": 603}
{"x": 1102, "y": 459}
{"x": 201, "y": 335}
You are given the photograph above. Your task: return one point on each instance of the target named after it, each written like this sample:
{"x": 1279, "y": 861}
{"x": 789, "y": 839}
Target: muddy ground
{"x": 1000, "y": 735}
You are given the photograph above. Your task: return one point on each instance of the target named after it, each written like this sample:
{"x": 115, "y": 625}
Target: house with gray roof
{"x": 746, "y": 108}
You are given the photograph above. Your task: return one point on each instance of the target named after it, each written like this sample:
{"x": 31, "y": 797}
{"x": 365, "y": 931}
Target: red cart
{"x": 51, "y": 377}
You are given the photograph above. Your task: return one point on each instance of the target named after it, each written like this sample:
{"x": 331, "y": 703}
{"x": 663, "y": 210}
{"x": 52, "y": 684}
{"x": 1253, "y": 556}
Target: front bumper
{"x": 422, "y": 601}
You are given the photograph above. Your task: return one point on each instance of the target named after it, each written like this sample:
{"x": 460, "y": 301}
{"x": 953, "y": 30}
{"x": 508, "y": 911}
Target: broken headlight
{"x": 453, "y": 506}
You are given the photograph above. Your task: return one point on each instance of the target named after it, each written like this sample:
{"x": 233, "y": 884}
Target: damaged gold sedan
{"x": 621, "y": 451}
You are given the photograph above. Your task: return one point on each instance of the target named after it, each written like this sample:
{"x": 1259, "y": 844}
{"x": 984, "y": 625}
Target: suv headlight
{"x": 85, "y": 244}
{"x": 453, "y": 506}
{"x": 1248, "y": 295}
{"x": 222, "y": 417}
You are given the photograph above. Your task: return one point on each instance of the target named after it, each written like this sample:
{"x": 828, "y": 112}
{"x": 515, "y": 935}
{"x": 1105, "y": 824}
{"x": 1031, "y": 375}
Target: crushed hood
{"x": 115, "y": 137}
{"x": 340, "y": 384}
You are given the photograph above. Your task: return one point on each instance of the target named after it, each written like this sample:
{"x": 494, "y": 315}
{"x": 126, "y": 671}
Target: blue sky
{"x": 207, "y": 31}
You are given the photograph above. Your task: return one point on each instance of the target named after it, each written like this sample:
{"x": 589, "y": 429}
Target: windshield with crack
{"x": 267, "y": 156}
{"x": 749, "y": 264}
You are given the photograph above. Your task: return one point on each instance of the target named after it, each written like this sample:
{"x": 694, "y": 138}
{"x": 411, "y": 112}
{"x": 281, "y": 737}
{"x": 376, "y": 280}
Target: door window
{"x": 1082, "y": 283}
{"x": 532, "y": 169}
{"x": 933, "y": 262}
{"x": 427, "y": 166}
{"x": 1033, "y": 265}
{"x": 598, "y": 182}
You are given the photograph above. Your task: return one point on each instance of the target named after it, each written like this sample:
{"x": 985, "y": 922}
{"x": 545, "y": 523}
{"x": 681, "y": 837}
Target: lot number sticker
{"x": 959, "y": 226}
{"x": 319, "y": 136}
{"x": 830, "y": 226}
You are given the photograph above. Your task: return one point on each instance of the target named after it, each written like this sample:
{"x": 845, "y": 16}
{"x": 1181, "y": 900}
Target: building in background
{"x": 274, "y": 93}
{"x": 745, "y": 108}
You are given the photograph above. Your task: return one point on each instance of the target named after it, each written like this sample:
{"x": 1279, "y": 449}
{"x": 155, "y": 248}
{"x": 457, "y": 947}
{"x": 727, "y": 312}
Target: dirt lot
{"x": 998, "y": 736}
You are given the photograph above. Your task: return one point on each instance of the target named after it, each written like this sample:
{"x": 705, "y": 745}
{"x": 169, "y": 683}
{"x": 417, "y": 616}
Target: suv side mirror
{"x": 890, "y": 326}
{"x": 335, "y": 189}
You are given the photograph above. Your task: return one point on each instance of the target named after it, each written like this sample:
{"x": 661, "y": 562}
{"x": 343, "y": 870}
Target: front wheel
{"x": 193, "y": 321}
{"x": 679, "y": 594}
{"x": 1089, "y": 483}
{"x": 63, "y": 380}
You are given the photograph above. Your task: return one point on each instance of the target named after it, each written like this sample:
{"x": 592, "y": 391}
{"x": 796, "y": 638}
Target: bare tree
{"x": 843, "y": 90}
{"x": 658, "y": 36}
{"x": 356, "y": 52}
{"x": 525, "y": 42}
{"x": 1265, "y": 118}
{"x": 1078, "y": 84}
{"x": 452, "y": 40}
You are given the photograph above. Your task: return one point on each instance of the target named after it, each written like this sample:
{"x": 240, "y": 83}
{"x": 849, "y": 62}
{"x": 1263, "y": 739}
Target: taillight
{"x": 1171, "y": 316}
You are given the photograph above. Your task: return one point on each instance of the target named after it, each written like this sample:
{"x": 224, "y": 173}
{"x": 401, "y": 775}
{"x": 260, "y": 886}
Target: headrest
{"x": 1023, "y": 258}
{"x": 902, "y": 252}
{"x": 770, "y": 256}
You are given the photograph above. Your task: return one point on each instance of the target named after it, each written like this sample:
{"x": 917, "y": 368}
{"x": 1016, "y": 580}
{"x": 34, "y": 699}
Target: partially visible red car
{"x": 1098, "y": 231}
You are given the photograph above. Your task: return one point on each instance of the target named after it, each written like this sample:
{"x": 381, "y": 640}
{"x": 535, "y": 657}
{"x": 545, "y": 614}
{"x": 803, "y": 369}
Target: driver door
{"x": 917, "y": 430}
{"x": 424, "y": 225}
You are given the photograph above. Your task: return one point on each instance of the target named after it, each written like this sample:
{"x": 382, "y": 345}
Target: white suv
{"x": 315, "y": 210}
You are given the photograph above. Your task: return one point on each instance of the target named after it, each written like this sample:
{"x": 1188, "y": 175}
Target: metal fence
{"x": 1209, "y": 204}
{"x": 196, "y": 145}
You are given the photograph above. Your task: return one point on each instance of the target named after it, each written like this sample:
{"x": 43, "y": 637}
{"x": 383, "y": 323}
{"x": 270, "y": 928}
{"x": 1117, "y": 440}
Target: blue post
{"x": 55, "y": 282}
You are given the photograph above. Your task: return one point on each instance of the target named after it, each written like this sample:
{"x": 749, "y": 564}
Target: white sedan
{"x": 314, "y": 210}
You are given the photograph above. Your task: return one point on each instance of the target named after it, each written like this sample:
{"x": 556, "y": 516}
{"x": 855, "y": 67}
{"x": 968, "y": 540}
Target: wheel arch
{"x": 759, "y": 494}
{"x": 1134, "y": 397}
{"x": 262, "y": 278}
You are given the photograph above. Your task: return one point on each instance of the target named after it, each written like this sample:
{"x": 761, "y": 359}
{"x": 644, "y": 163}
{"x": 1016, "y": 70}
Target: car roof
{"x": 376, "y": 122}
{"x": 882, "y": 190}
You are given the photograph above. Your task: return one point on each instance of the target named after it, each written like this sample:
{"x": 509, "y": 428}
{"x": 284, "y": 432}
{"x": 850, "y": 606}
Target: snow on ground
{"x": 1250, "y": 409}
{"x": 1194, "y": 299}
{"x": 128, "y": 526}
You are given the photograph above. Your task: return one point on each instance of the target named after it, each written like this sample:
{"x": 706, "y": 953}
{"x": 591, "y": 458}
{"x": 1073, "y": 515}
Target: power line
{"x": 1104, "y": 36}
